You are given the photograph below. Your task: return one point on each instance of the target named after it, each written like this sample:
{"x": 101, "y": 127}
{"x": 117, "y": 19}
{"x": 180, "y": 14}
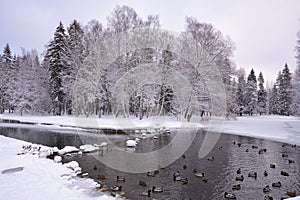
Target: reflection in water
{"x": 221, "y": 173}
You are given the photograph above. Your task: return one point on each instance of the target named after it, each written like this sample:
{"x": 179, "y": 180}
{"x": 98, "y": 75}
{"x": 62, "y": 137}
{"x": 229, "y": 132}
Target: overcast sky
{"x": 264, "y": 31}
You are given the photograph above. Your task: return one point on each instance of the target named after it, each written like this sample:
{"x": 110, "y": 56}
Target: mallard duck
{"x": 265, "y": 173}
{"x": 239, "y": 178}
{"x": 276, "y": 184}
{"x": 120, "y": 179}
{"x": 238, "y": 171}
{"x": 291, "y": 194}
{"x": 176, "y": 174}
{"x": 199, "y": 175}
{"x": 291, "y": 161}
{"x": 252, "y": 175}
{"x": 211, "y": 158}
{"x": 247, "y": 150}
{"x": 95, "y": 167}
{"x": 116, "y": 188}
{"x": 204, "y": 179}
{"x": 184, "y": 181}
{"x": 152, "y": 173}
{"x": 157, "y": 189}
{"x": 183, "y": 156}
{"x": 184, "y": 166}
{"x": 261, "y": 151}
{"x": 229, "y": 196}
{"x": 147, "y": 193}
{"x": 101, "y": 177}
{"x": 268, "y": 197}
{"x": 236, "y": 187}
{"x": 239, "y": 144}
{"x": 142, "y": 183}
{"x": 195, "y": 170}
{"x": 254, "y": 147}
{"x": 284, "y": 155}
{"x": 283, "y": 173}
{"x": 272, "y": 165}
{"x": 177, "y": 178}
{"x": 266, "y": 188}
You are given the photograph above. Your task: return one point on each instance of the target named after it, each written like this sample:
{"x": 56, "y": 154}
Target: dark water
{"x": 221, "y": 172}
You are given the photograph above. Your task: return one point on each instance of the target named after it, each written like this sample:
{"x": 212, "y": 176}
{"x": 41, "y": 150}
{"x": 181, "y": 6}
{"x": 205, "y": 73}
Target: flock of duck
{"x": 239, "y": 177}
{"x": 267, "y": 188}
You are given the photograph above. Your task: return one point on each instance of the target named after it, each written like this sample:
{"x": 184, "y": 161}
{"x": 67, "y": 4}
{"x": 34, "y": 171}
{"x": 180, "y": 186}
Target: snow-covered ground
{"x": 40, "y": 178}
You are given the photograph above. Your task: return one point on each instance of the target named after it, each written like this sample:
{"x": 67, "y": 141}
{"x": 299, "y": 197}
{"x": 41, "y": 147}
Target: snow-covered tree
{"x": 251, "y": 94}
{"x": 55, "y": 55}
{"x": 261, "y": 96}
{"x": 240, "y": 94}
{"x": 285, "y": 91}
{"x": 295, "y": 108}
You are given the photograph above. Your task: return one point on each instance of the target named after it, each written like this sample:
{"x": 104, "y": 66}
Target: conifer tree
{"x": 251, "y": 94}
{"x": 261, "y": 95}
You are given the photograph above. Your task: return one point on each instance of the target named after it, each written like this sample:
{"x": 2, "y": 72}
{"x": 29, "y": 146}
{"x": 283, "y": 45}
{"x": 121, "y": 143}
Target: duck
{"x": 151, "y": 174}
{"x": 234, "y": 142}
{"x": 272, "y": 165}
{"x": 199, "y": 175}
{"x": 291, "y": 161}
{"x": 95, "y": 167}
{"x": 183, "y": 156}
{"x": 238, "y": 171}
{"x": 252, "y": 175}
{"x": 176, "y": 174}
{"x": 211, "y": 158}
{"x": 220, "y": 148}
{"x": 294, "y": 146}
{"x": 266, "y": 188}
{"x": 142, "y": 183}
{"x": 177, "y": 178}
{"x": 261, "y": 151}
{"x": 239, "y": 144}
{"x": 276, "y": 184}
{"x": 267, "y": 197}
{"x": 101, "y": 177}
{"x": 291, "y": 194}
{"x": 254, "y": 147}
{"x": 184, "y": 181}
{"x": 265, "y": 173}
{"x": 236, "y": 187}
{"x": 284, "y": 155}
{"x": 184, "y": 166}
{"x": 283, "y": 173}
{"x": 157, "y": 189}
{"x": 195, "y": 170}
{"x": 229, "y": 195}
{"x": 239, "y": 178}
{"x": 120, "y": 179}
{"x": 204, "y": 179}
{"x": 247, "y": 150}
{"x": 116, "y": 188}
{"x": 147, "y": 193}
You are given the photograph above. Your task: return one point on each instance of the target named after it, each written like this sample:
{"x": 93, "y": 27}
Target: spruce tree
{"x": 241, "y": 94}
{"x": 55, "y": 55}
{"x": 295, "y": 108}
{"x": 285, "y": 92}
{"x": 251, "y": 94}
{"x": 261, "y": 95}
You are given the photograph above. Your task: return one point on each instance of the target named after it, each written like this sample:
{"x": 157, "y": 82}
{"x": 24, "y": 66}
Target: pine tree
{"x": 295, "y": 108}
{"x": 55, "y": 57}
{"x": 251, "y": 94}
{"x": 261, "y": 95}
{"x": 285, "y": 92}
{"x": 273, "y": 102}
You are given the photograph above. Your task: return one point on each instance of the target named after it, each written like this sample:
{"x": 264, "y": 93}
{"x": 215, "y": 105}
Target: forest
{"x": 48, "y": 84}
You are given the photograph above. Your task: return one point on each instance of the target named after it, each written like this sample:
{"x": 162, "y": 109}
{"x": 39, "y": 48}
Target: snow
{"x": 68, "y": 149}
{"x": 86, "y": 148}
{"x": 131, "y": 143}
{"x": 278, "y": 128}
{"x": 40, "y": 178}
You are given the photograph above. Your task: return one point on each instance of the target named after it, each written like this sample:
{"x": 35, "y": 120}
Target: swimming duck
{"x": 176, "y": 174}
{"x": 276, "y": 184}
{"x": 238, "y": 171}
{"x": 95, "y": 167}
{"x": 284, "y": 155}
{"x": 195, "y": 170}
{"x": 152, "y": 173}
{"x": 254, "y": 147}
{"x": 157, "y": 189}
{"x": 283, "y": 173}
{"x": 265, "y": 173}
{"x": 247, "y": 150}
{"x": 229, "y": 196}
{"x": 101, "y": 177}
{"x": 116, "y": 188}
{"x": 239, "y": 144}
{"x": 120, "y": 179}
{"x": 268, "y": 197}
{"x": 239, "y": 178}
{"x": 184, "y": 181}
{"x": 177, "y": 178}
{"x": 261, "y": 151}
{"x": 199, "y": 175}
{"x": 252, "y": 175}
{"x": 147, "y": 193}
{"x": 236, "y": 187}
{"x": 266, "y": 188}
{"x": 142, "y": 183}
{"x": 272, "y": 165}
{"x": 204, "y": 179}
{"x": 183, "y": 156}
{"x": 184, "y": 166}
{"x": 211, "y": 158}
{"x": 291, "y": 161}
{"x": 291, "y": 194}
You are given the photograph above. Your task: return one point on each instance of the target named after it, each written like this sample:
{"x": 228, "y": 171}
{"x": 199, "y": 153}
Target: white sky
{"x": 264, "y": 32}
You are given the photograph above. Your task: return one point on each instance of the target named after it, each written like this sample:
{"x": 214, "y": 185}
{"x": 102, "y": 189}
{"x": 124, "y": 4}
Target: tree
{"x": 241, "y": 89}
{"x": 261, "y": 96}
{"x": 295, "y": 108}
{"x": 56, "y": 51}
{"x": 285, "y": 91}
{"x": 251, "y": 94}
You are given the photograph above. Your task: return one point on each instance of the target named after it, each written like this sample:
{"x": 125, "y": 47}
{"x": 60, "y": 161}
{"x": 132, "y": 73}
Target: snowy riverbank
{"x": 40, "y": 178}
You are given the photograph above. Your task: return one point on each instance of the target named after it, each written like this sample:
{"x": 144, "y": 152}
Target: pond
{"x": 230, "y": 153}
